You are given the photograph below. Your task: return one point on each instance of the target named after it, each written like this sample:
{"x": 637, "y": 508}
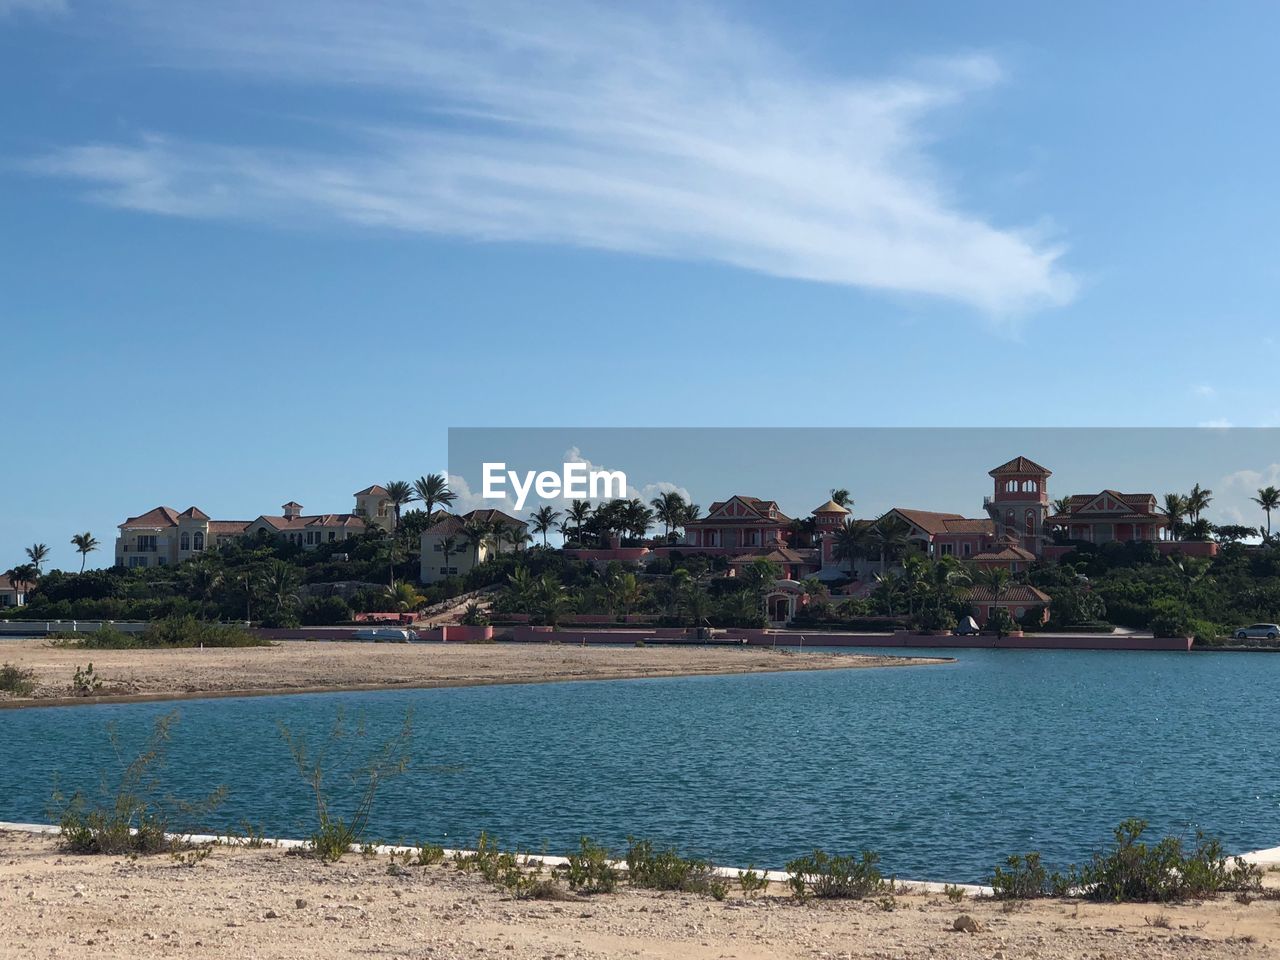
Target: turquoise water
{"x": 942, "y": 769}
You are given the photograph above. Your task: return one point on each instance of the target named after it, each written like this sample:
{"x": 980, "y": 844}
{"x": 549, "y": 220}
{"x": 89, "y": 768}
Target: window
{"x": 947, "y": 549}
{"x": 184, "y": 542}
{"x": 146, "y": 544}
{"x": 332, "y": 536}
{"x": 160, "y": 561}
{"x": 437, "y": 548}
{"x": 136, "y": 561}
{"x": 966, "y": 549}
{"x": 1010, "y": 520}
{"x": 198, "y": 541}
{"x": 1031, "y": 523}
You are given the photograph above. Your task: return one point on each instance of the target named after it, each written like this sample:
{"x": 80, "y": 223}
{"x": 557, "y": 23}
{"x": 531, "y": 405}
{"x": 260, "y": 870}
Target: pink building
{"x": 736, "y": 525}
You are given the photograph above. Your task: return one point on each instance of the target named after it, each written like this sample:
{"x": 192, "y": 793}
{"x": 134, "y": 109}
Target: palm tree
{"x": 887, "y": 586}
{"x": 841, "y": 496}
{"x": 543, "y": 520}
{"x": 476, "y": 533}
{"x": 1268, "y": 499}
{"x": 38, "y": 553}
{"x": 393, "y": 552}
{"x": 512, "y": 534}
{"x": 579, "y": 511}
{"x": 849, "y": 543}
{"x": 1198, "y": 500}
{"x": 550, "y": 600}
{"x": 24, "y": 573}
{"x": 281, "y": 586}
{"x": 636, "y": 518}
{"x": 1062, "y": 505}
{"x": 448, "y": 547}
{"x": 1175, "y": 508}
{"x": 399, "y": 492}
{"x": 433, "y": 490}
{"x": 669, "y": 508}
{"x": 890, "y": 535}
{"x": 85, "y": 544}
{"x": 997, "y": 579}
{"x": 403, "y": 597}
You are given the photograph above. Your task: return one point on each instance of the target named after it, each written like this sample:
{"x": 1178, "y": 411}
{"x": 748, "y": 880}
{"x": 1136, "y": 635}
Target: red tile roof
{"x": 194, "y": 513}
{"x": 7, "y": 584}
{"x": 778, "y": 555}
{"x": 377, "y": 490}
{"x": 1013, "y": 593}
{"x": 224, "y": 527}
{"x": 969, "y": 526}
{"x": 317, "y": 520}
{"x": 927, "y": 520}
{"x": 1007, "y": 553}
{"x": 760, "y": 507}
{"x": 451, "y": 523}
{"x": 1020, "y": 465}
{"x": 159, "y": 517}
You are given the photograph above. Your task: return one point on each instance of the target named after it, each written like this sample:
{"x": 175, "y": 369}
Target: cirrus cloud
{"x": 675, "y": 133}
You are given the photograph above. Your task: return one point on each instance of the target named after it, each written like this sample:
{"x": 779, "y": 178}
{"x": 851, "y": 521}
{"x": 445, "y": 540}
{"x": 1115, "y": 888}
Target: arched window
{"x": 1031, "y": 523}
{"x": 199, "y": 540}
{"x": 1010, "y": 520}
{"x": 184, "y": 542}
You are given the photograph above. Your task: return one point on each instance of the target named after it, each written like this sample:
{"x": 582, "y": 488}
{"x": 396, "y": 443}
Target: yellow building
{"x": 435, "y": 565}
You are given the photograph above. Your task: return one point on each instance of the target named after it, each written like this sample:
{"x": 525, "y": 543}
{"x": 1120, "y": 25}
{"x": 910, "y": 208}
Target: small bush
{"x": 590, "y": 869}
{"x": 85, "y": 682}
{"x": 824, "y": 876}
{"x": 1021, "y": 878}
{"x": 667, "y": 870}
{"x": 136, "y": 815}
{"x": 953, "y": 892}
{"x": 1135, "y": 871}
{"x": 15, "y": 680}
{"x": 753, "y": 882}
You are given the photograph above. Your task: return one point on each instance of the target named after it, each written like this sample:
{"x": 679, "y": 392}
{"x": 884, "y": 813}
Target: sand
{"x": 300, "y": 666}
{"x": 267, "y": 904}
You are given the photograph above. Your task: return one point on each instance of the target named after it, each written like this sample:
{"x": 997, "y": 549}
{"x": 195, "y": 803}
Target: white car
{"x": 1262, "y": 631}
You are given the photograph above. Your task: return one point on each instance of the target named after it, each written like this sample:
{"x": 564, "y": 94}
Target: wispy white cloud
{"x": 671, "y": 132}
{"x": 1205, "y": 390}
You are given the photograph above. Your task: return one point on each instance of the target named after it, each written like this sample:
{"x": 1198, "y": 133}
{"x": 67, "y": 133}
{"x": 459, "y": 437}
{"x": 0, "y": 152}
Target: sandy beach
{"x": 299, "y": 666}
{"x": 267, "y": 904}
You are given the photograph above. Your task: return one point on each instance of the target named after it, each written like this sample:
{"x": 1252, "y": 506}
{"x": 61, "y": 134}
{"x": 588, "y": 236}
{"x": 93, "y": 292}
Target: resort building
{"x": 793, "y": 564}
{"x": 163, "y": 537}
{"x": 737, "y": 525}
{"x": 1020, "y": 599}
{"x": 449, "y": 549}
{"x": 1107, "y": 516}
{"x": 13, "y": 594}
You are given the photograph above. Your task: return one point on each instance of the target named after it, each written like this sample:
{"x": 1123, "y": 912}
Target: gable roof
{"x": 314, "y": 520}
{"x": 927, "y": 520}
{"x": 1128, "y": 506}
{"x": 756, "y": 511}
{"x": 450, "y": 524}
{"x": 159, "y": 517}
{"x": 778, "y": 555}
{"x": 1007, "y": 553}
{"x": 1020, "y": 465}
{"x": 377, "y": 490}
{"x": 193, "y": 513}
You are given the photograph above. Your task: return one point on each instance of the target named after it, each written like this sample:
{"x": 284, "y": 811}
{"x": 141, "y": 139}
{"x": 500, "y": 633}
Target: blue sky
{"x": 260, "y": 252}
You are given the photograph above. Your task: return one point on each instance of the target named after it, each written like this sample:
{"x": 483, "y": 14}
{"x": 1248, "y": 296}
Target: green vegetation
{"x": 15, "y": 680}
{"x": 341, "y": 756}
{"x": 133, "y": 812}
{"x": 1134, "y": 871}
{"x": 590, "y": 869}
{"x": 170, "y": 632}
{"x": 824, "y": 876}
{"x": 665, "y": 869}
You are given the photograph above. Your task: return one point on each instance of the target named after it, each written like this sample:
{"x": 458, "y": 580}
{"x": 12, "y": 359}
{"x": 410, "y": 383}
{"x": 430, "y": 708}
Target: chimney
{"x": 292, "y": 509}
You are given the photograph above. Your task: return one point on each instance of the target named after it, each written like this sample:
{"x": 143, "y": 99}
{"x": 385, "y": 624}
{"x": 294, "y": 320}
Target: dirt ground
{"x": 268, "y": 904}
{"x": 296, "y": 666}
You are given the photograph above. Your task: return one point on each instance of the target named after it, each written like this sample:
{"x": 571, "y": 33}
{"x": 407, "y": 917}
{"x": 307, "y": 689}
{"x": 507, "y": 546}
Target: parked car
{"x": 386, "y": 635}
{"x": 1261, "y": 631}
{"x": 968, "y": 627}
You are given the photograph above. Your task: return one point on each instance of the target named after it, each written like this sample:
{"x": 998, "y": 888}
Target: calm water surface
{"x": 943, "y": 769}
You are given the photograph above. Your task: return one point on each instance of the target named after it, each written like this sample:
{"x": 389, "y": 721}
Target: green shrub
{"x": 667, "y": 870}
{"x": 827, "y": 877}
{"x": 1021, "y": 878}
{"x": 590, "y": 869}
{"x": 85, "y": 682}
{"x": 335, "y": 834}
{"x": 134, "y": 814}
{"x": 324, "y": 612}
{"x": 1136, "y": 871}
{"x": 15, "y": 680}
{"x": 752, "y": 881}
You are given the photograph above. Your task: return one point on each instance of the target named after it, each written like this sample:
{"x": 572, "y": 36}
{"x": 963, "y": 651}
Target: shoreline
{"x": 271, "y": 904}
{"x": 288, "y": 668}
